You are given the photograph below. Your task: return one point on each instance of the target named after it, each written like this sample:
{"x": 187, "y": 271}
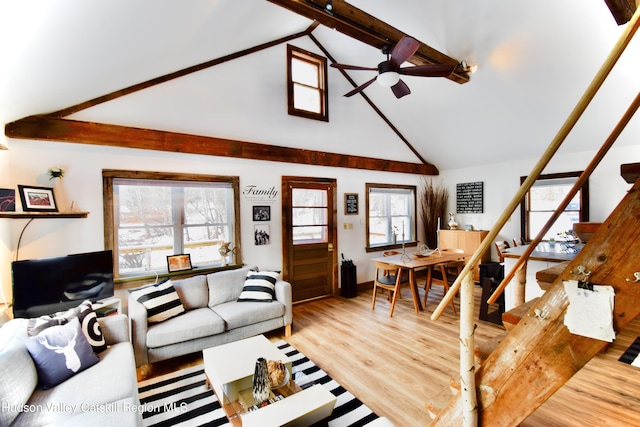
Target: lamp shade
{"x": 388, "y": 79}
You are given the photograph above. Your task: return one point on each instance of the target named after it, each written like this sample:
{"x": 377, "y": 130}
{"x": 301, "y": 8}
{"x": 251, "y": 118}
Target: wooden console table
{"x": 468, "y": 241}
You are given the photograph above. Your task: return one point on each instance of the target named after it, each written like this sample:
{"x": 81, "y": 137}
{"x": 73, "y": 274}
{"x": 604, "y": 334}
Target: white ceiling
{"x": 535, "y": 61}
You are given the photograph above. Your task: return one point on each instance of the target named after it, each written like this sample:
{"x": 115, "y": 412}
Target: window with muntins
{"x": 543, "y": 199}
{"x": 307, "y": 84}
{"x": 155, "y": 215}
{"x": 310, "y": 216}
{"x": 391, "y": 216}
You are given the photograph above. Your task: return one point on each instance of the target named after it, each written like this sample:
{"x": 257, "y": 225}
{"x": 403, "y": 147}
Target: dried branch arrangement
{"x": 433, "y": 206}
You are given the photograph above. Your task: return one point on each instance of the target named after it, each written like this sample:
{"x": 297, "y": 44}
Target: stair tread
{"x": 546, "y": 277}
{"x": 485, "y": 348}
{"x": 511, "y": 318}
{"x": 439, "y": 401}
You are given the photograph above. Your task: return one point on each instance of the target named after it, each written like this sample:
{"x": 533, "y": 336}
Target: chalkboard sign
{"x": 470, "y": 197}
{"x": 351, "y": 203}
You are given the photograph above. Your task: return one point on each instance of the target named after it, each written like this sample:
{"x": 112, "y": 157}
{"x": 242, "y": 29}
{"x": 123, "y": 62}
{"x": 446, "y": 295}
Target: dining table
{"x": 415, "y": 260}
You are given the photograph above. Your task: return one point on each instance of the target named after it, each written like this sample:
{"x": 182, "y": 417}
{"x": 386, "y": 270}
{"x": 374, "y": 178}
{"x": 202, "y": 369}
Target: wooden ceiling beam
{"x": 64, "y": 130}
{"x": 622, "y": 10}
{"x": 368, "y": 29}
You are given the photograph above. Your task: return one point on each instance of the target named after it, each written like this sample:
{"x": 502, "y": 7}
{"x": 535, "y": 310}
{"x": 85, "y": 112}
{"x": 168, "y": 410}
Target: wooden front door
{"x": 309, "y": 236}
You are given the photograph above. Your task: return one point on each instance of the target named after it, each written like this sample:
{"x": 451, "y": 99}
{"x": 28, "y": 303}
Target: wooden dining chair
{"x": 518, "y": 241}
{"x": 501, "y": 245}
{"x": 388, "y": 277}
{"x": 444, "y": 274}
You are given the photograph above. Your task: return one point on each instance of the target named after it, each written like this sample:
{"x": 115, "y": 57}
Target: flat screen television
{"x": 47, "y": 285}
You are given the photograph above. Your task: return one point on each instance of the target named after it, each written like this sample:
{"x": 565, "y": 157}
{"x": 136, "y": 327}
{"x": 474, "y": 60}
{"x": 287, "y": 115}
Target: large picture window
{"x": 391, "y": 216}
{"x": 152, "y": 216}
{"x": 543, "y": 199}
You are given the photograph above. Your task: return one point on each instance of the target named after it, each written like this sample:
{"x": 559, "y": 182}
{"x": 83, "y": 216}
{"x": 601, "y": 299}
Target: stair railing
{"x": 576, "y": 113}
{"x": 464, "y": 279}
{"x": 565, "y": 202}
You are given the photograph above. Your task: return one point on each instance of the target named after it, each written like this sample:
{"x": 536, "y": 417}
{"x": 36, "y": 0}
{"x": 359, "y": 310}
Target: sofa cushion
{"x": 193, "y": 292}
{"x": 88, "y": 321}
{"x": 225, "y": 286}
{"x": 198, "y": 323}
{"x": 60, "y": 352}
{"x": 161, "y": 301}
{"x": 105, "y": 387}
{"x": 18, "y": 376}
{"x": 238, "y": 314}
{"x": 259, "y": 286}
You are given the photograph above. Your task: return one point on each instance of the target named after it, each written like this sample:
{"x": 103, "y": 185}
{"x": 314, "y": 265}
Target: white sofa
{"x": 213, "y": 316}
{"x": 103, "y": 394}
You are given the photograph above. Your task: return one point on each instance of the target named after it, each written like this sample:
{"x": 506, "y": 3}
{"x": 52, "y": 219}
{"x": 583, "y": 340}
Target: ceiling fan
{"x": 389, "y": 71}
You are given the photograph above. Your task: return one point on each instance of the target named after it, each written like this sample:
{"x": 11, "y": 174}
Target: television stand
{"x": 108, "y": 306}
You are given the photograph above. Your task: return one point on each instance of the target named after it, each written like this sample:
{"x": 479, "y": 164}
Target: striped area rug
{"x": 630, "y": 356}
{"x": 183, "y": 399}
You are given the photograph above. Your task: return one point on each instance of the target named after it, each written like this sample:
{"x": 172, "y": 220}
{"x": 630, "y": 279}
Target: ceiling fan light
{"x": 388, "y": 79}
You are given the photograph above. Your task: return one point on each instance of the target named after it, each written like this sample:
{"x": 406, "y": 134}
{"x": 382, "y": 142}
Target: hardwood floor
{"x": 394, "y": 365}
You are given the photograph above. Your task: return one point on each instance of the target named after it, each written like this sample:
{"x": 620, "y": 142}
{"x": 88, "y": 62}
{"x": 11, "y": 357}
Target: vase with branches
{"x": 433, "y": 206}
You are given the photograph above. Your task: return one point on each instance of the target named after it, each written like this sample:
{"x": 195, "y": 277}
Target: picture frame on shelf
{"x": 180, "y": 262}
{"x": 37, "y": 199}
{"x": 262, "y": 213}
{"x": 7, "y": 200}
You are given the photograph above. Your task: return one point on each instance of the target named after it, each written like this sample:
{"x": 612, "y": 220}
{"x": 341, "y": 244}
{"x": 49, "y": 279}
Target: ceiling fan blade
{"x": 400, "y": 89}
{"x": 435, "y": 70}
{"x": 403, "y": 50}
{"x": 361, "y": 87}
{"x": 352, "y": 67}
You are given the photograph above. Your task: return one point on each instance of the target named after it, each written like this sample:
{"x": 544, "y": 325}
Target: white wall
{"x": 5, "y": 247}
{"x": 501, "y": 183}
{"x": 82, "y": 184}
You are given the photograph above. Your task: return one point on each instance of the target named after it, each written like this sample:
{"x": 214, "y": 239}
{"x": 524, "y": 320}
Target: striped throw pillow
{"x": 161, "y": 301}
{"x": 259, "y": 286}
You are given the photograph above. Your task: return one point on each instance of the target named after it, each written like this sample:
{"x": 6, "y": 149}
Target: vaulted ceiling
{"x": 534, "y": 62}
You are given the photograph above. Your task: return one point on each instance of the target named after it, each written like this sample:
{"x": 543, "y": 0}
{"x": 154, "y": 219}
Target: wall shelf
{"x": 35, "y": 215}
{"x": 38, "y": 215}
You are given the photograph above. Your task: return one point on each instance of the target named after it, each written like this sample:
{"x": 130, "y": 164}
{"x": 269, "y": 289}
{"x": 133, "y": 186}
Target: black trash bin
{"x": 348, "y": 279}
{"x": 491, "y": 274}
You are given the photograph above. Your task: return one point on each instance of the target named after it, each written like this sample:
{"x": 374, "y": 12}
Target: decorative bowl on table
{"x": 279, "y": 375}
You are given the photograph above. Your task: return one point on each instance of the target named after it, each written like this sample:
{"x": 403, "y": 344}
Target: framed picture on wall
{"x": 180, "y": 262}
{"x": 350, "y": 203}
{"x": 37, "y": 199}
{"x": 261, "y": 235}
{"x": 262, "y": 213}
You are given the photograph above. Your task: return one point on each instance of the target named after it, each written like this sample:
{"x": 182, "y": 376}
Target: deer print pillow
{"x": 59, "y": 352}
{"x": 88, "y": 321}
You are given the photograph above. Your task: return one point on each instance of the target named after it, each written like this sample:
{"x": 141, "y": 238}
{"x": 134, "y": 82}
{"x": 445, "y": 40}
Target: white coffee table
{"x": 229, "y": 369}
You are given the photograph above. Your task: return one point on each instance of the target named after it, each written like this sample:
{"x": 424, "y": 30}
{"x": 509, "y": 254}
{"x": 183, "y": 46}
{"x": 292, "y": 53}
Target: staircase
{"x": 538, "y": 355}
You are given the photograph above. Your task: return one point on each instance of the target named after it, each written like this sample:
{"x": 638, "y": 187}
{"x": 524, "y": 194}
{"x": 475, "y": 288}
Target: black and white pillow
{"x": 161, "y": 301}
{"x": 85, "y": 315}
{"x": 59, "y": 352}
{"x": 259, "y": 286}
